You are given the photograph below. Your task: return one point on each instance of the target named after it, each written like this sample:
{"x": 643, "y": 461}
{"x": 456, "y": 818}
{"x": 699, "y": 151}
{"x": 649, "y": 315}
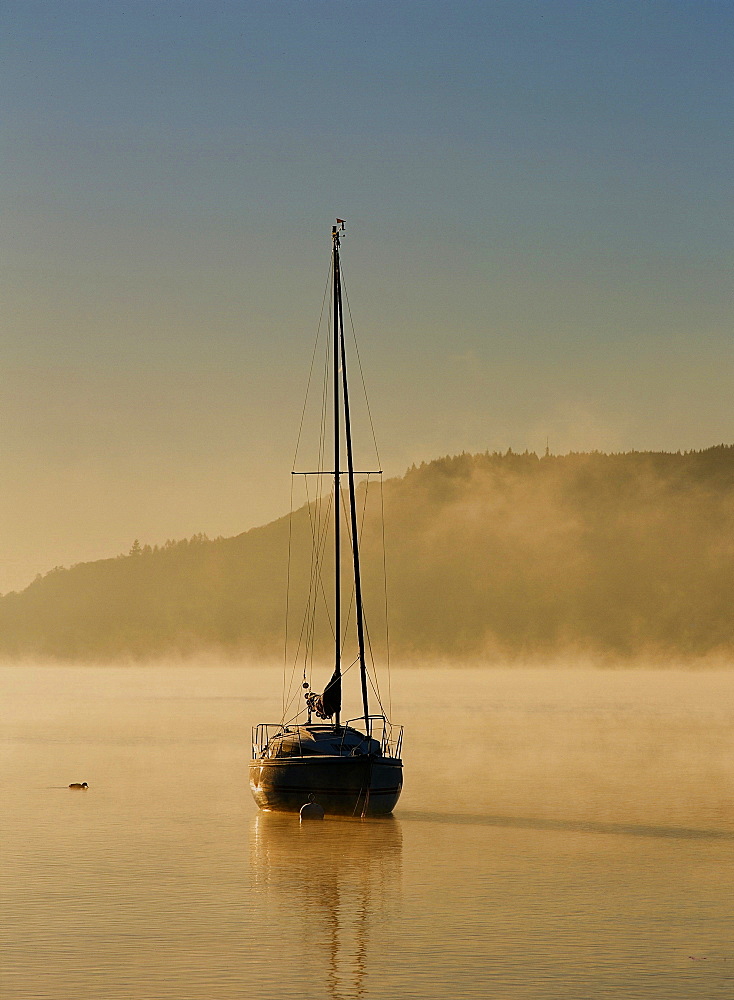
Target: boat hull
{"x": 343, "y": 786}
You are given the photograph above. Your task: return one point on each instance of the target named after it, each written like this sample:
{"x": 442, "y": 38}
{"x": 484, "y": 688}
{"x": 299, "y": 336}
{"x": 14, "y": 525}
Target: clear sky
{"x": 539, "y": 208}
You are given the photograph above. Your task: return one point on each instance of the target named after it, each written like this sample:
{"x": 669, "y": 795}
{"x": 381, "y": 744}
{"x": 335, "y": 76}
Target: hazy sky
{"x": 539, "y": 208}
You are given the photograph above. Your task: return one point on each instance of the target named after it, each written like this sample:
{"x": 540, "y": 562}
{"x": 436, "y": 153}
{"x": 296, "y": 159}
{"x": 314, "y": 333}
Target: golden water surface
{"x": 562, "y": 834}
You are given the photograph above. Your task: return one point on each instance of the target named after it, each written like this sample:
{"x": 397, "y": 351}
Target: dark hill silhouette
{"x": 627, "y": 554}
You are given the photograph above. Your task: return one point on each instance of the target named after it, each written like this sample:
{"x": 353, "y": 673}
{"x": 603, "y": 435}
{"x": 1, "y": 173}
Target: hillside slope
{"x": 508, "y": 554}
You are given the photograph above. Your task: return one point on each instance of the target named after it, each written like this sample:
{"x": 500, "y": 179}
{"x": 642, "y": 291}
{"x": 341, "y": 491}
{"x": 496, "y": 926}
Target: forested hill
{"x": 499, "y": 555}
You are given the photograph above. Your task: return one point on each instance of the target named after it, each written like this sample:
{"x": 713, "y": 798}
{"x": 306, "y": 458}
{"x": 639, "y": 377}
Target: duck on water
{"x": 351, "y": 768}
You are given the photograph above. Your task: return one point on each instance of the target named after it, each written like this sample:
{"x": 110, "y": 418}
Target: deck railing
{"x": 264, "y": 733}
{"x": 388, "y": 736}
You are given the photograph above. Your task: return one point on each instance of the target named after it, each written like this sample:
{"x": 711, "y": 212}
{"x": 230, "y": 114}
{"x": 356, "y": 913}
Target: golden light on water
{"x": 569, "y": 828}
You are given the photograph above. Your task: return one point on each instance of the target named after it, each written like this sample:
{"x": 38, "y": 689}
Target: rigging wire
{"x": 387, "y": 616}
{"x": 382, "y": 501}
{"x": 361, "y": 373}
{"x": 348, "y": 526}
{"x": 324, "y": 299}
{"x": 306, "y": 642}
{"x": 287, "y": 601}
{"x": 360, "y": 536}
{"x": 320, "y": 511}
{"x": 367, "y": 631}
{"x": 345, "y": 671}
{"x": 310, "y": 370}
{"x": 373, "y": 678}
{"x": 318, "y": 544}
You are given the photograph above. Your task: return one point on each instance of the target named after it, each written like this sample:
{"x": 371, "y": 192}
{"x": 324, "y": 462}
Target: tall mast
{"x": 337, "y": 459}
{"x": 339, "y": 326}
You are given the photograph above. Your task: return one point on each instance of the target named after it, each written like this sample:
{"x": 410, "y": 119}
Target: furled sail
{"x": 330, "y": 702}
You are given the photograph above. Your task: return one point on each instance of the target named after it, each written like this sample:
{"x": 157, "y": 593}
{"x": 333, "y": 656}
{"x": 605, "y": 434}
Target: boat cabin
{"x": 312, "y": 741}
{"x": 319, "y": 740}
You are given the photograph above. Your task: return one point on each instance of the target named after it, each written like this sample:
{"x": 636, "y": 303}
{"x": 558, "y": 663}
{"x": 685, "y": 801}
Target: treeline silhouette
{"x": 506, "y": 555}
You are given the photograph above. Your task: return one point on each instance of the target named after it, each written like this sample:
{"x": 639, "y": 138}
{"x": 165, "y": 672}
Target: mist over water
{"x": 563, "y": 833}
{"x": 623, "y": 557}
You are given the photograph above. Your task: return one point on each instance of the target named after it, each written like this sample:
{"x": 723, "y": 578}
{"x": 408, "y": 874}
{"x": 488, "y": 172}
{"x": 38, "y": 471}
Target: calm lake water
{"x": 562, "y": 834}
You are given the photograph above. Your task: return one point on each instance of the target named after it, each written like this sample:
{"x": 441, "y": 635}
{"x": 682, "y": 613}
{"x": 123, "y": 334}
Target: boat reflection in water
{"x": 331, "y": 889}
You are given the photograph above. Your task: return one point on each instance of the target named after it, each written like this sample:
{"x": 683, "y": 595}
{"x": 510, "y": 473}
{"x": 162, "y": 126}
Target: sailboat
{"x": 351, "y": 767}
